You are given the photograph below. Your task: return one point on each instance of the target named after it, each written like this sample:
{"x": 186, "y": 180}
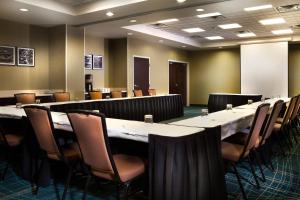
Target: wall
{"x": 294, "y": 69}
{"x": 117, "y": 70}
{"x": 75, "y": 62}
{"x": 57, "y": 55}
{"x": 95, "y": 45}
{"x": 159, "y": 65}
{"x": 24, "y": 78}
{"x": 214, "y": 71}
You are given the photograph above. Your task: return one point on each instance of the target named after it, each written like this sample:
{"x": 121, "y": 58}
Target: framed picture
{"x": 7, "y": 55}
{"x": 97, "y": 62}
{"x": 25, "y": 57}
{"x": 88, "y": 61}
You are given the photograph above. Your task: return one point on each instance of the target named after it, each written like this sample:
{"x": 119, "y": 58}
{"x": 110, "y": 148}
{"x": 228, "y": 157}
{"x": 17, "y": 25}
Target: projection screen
{"x": 264, "y": 69}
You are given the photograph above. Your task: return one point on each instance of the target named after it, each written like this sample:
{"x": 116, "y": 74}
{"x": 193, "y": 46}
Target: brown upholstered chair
{"x": 138, "y": 93}
{"x": 41, "y": 121}
{"x": 234, "y": 153}
{"x": 116, "y": 94}
{"x": 152, "y": 92}
{"x": 281, "y": 127}
{"x": 25, "y": 98}
{"x": 90, "y": 130}
{"x": 10, "y": 141}
{"x": 95, "y": 95}
{"x": 61, "y": 96}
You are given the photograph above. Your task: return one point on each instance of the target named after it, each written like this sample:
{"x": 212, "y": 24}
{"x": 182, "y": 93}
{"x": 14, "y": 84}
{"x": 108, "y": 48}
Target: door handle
{"x": 176, "y": 85}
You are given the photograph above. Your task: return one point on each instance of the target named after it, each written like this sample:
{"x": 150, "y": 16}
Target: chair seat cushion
{"x": 241, "y": 138}
{"x": 70, "y": 151}
{"x": 13, "y": 140}
{"x": 128, "y": 167}
{"x": 279, "y": 120}
{"x": 232, "y": 152}
{"x": 277, "y": 127}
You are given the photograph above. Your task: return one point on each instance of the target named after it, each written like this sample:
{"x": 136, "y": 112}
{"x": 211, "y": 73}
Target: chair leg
{"x": 258, "y": 160}
{"x": 37, "y": 176}
{"x": 126, "y": 191}
{"x": 68, "y": 182}
{"x": 239, "y": 181}
{"x": 253, "y": 172}
{"x": 86, "y": 187}
{"x": 118, "y": 191}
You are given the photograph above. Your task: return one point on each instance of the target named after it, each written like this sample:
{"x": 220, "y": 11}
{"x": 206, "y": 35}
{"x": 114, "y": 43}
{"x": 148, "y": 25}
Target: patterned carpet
{"x": 282, "y": 184}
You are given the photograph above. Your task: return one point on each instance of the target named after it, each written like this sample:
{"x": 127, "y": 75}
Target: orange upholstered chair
{"x": 138, "y": 93}
{"x": 95, "y": 95}
{"x": 41, "y": 121}
{"x": 116, "y": 94}
{"x": 90, "y": 130}
{"x": 25, "y": 98}
{"x": 152, "y": 92}
{"x": 61, "y": 96}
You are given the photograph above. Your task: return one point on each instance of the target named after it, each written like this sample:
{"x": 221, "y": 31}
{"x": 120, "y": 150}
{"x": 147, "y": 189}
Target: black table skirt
{"x": 217, "y": 102}
{"x": 188, "y": 167}
{"x": 161, "y": 107}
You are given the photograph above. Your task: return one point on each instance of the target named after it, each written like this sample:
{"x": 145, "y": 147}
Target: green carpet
{"x": 282, "y": 184}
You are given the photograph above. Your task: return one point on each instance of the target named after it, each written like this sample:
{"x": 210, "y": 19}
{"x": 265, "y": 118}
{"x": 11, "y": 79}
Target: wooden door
{"x": 178, "y": 79}
{"x": 141, "y": 74}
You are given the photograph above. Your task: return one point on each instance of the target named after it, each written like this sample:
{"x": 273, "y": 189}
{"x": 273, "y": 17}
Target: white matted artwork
{"x": 97, "y": 62}
{"x": 25, "y": 57}
{"x": 88, "y": 61}
{"x": 264, "y": 69}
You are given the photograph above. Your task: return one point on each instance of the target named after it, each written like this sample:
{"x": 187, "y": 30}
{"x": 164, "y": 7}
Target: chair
{"x": 90, "y": 130}
{"x": 25, "y": 98}
{"x": 138, "y": 93}
{"x": 152, "y": 92}
{"x": 95, "y": 95}
{"x": 234, "y": 153}
{"x": 116, "y": 94}
{"x": 61, "y": 96}
{"x": 10, "y": 141}
{"x": 41, "y": 122}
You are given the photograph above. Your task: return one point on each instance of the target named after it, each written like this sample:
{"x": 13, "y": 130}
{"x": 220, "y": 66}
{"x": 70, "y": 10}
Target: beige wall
{"x": 95, "y": 45}
{"x": 159, "y": 65}
{"x": 75, "y": 62}
{"x": 117, "y": 69}
{"x": 294, "y": 69}
{"x": 214, "y": 71}
{"x": 57, "y": 55}
{"x": 22, "y": 78}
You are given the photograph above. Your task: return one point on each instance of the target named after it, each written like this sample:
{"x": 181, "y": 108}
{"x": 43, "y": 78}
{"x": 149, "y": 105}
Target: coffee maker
{"x": 88, "y": 82}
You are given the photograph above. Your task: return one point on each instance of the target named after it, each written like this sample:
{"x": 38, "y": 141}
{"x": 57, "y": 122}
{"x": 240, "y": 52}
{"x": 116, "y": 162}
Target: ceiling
{"x": 91, "y": 14}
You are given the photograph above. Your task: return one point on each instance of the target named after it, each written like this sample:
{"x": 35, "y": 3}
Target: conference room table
{"x": 231, "y": 121}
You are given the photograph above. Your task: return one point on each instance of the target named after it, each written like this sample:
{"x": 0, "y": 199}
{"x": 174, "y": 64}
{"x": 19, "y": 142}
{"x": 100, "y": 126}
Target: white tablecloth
{"x": 231, "y": 121}
{"x": 126, "y": 129}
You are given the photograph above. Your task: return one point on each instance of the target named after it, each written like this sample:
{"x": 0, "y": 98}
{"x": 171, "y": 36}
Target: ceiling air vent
{"x": 244, "y": 31}
{"x": 288, "y": 8}
{"x": 196, "y": 37}
{"x": 159, "y": 25}
{"x": 296, "y": 27}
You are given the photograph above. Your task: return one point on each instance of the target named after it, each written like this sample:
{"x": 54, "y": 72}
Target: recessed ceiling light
{"x": 168, "y": 20}
{"x": 282, "y": 31}
{"x": 129, "y": 33}
{"x": 183, "y": 46}
{"x": 220, "y": 47}
{"x": 193, "y": 30}
{"x": 214, "y": 14}
{"x": 180, "y": 1}
{"x": 132, "y": 21}
{"x": 262, "y": 7}
{"x": 230, "y": 26}
{"x": 272, "y": 21}
{"x": 200, "y": 9}
{"x": 160, "y": 41}
{"x": 110, "y": 14}
{"x": 24, "y": 9}
{"x": 244, "y": 35}
{"x": 214, "y": 38}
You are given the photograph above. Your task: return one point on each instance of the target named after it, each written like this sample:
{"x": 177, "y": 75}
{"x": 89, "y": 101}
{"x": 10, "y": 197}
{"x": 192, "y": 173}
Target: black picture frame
{"x": 88, "y": 61}
{"x": 26, "y": 57}
{"x": 7, "y": 55}
{"x": 97, "y": 62}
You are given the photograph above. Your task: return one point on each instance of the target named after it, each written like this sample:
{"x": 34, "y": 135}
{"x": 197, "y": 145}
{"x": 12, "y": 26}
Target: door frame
{"x": 187, "y": 78}
{"x": 137, "y": 56}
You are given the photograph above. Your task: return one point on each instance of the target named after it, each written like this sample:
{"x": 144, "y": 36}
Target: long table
{"x": 231, "y": 121}
{"x": 162, "y": 107}
{"x": 218, "y": 101}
